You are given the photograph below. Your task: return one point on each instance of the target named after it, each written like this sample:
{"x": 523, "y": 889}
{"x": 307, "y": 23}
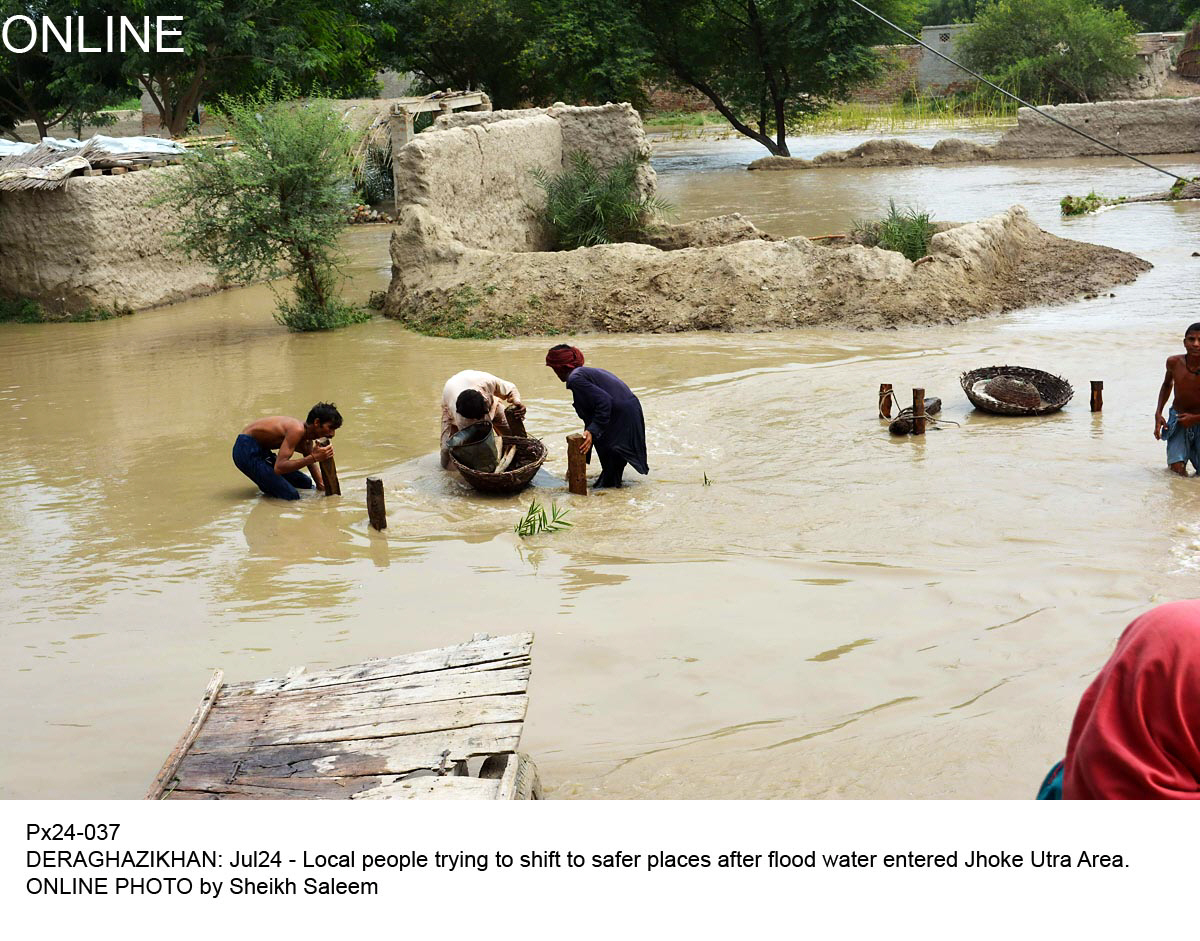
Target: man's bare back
{"x": 273, "y": 431}
{"x": 279, "y": 474}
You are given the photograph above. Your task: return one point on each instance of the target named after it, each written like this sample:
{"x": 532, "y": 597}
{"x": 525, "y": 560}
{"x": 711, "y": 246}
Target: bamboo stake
{"x": 376, "y": 507}
{"x": 918, "y": 412}
{"x": 576, "y": 466}
{"x": 329, "y": 472}
{"x": 885, "y": 400}
{"x": 1097, "y": 395}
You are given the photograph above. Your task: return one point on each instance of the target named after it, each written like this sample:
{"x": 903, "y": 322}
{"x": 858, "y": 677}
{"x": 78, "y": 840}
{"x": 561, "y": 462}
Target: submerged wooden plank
{"x": 496, "y": 649}
{"x": 299, "y": 726}
{"x": 433, "y": 788}
{"x": 167, "y": 772}
{"x": 411, "y": 688}
{"x": 394, "y": 755}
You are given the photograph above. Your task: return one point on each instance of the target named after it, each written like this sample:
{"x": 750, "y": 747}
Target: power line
{"x": 1048, "y": 117}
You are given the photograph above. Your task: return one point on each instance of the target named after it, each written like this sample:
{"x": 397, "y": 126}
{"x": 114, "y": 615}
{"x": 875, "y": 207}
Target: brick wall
{"x": 901, "y": 63}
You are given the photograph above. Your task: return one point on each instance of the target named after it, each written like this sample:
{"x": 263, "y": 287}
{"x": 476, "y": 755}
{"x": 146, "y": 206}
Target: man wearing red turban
{"x": 611, "y": 414}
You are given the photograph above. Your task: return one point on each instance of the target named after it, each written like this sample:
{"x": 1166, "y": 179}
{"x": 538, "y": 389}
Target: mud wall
{"x": 472, "y": 172}
{"x": 96, "y": 242}
{"x": 1156, "y": 126}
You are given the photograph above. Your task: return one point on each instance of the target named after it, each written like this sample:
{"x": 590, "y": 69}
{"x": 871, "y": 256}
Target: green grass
{"x": 587, "y": 205}
{"x": 456, "y": 319}
{"x": 915, "y": 112}
{"x": 536, "y": 520}
{"x": 907, "y": 231}
{"x": 24, "y": 310}
{"x": 1082, "y": 205}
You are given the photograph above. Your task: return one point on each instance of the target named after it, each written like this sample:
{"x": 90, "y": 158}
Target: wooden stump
{"x": 576, "y": 466}
{"x": 885, "y": 400}
{"x": 1097, "y": 395}
{"x": 918, "y": 411}
{"x": 376, "y": 507}
{"x": 516, "y": 426}
{"x": 329, "y": 472}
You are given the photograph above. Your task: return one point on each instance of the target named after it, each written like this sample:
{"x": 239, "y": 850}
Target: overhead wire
{"x": 1022, "y": 101}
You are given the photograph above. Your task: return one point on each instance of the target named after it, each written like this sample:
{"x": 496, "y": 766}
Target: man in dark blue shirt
{"x": 611, "y": 414}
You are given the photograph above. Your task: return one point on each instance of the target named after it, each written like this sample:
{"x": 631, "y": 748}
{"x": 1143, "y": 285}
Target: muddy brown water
{"x": 839, "y": 613}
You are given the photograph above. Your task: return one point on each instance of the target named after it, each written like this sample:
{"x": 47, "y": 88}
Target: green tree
{"x": 940, "y": 12}
{"x": 520, "y": 51}
{"x": 765, "y": 64}
{"x": 235, "y": 46}
{"x": 464, "y": 44}
{"x": 1051, "y": 50}
{"x": 1154, "y": 16}
{"x": 274, "y": 208}
{"x": 52, "y": 88}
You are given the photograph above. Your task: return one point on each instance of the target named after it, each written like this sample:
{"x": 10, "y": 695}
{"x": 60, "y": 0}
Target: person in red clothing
{"x": 1136, "y": 734}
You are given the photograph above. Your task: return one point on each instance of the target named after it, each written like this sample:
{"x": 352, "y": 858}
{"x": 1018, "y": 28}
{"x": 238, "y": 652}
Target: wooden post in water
{"x": 515, "y": 425}
{"x": 576, "y": 466}
{"x": 376, "y": 508}
{"x": 918, "y": 412}
{"x": 329, "y": 472}
{"x": 885, "y": 400}
{"x": 1097, "y": 395}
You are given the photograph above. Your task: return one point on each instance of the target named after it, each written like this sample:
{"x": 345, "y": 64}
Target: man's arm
{"x": 1163, "y": 394}
{"x": 285, "y": 463}
{"x": 305, "y": 448}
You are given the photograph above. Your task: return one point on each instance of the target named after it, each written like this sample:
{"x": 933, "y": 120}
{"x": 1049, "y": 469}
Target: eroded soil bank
{"x": 1156, "y": 126}
{"x": 1000, "y": 263}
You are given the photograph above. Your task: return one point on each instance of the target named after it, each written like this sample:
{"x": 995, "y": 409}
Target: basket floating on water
{"x": 1008, "y": 390}
{"x": 531, "y": 454}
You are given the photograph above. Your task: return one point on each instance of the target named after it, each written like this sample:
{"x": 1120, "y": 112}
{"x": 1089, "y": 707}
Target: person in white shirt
{"x": 472, "y": 396}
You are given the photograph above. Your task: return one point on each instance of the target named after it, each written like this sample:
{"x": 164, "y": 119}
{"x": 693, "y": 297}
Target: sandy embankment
{"x": 470, "y": 252}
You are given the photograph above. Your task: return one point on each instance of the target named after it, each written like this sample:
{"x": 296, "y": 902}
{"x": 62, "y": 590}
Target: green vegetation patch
{"x": 458, "y": 317}
{"x": 24, "y": 310}
{"x": 588, "y": 206}
{"x": 1082, "y": 205}
{"x": 907, "y": 231}
{"x": 537, "y": 520}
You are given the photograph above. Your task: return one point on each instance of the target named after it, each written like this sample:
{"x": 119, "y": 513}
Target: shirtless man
{"x": 1181, "y": 430}
{"x": 279, "y": 476}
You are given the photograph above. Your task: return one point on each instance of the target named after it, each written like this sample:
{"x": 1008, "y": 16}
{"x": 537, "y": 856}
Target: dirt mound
{"x": 1154, "y": 126}
{"x": 704, "y": 233}
{"x": 997, "y": 264}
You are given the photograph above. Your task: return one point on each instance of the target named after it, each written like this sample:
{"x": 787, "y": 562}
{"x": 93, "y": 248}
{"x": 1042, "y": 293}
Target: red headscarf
{"x": 570, "y": 358}
{"x": 1136, "y": 733}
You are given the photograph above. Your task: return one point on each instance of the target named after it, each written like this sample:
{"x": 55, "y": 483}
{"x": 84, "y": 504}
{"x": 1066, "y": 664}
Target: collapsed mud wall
{"x": 95, "y": 242}
{"x": 1158, "y": 126}
{"x": 1000, "y": 263}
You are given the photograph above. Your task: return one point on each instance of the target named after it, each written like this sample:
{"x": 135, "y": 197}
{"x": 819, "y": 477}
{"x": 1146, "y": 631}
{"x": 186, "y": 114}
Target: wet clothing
{"x": 1136, "y": 734}
{"x": 257, "y": 462}
{"x": 613, "y": 414}
{"x": 500, "y": 393}
{"x": 1183, "y": 444}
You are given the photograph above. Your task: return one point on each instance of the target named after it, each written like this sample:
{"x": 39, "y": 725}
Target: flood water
{"x": 838, "y": 613}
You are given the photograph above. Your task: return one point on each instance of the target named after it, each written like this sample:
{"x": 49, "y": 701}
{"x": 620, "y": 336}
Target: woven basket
{"x": 531, "y": 454}
{"x": 1055, "y": 392}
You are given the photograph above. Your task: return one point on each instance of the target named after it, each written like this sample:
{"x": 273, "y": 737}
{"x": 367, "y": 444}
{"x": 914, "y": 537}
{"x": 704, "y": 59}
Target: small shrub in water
{"x": 537, "y": 521}
{"x": 587, "y": 206}
{"x": 906, "y": 231}
{"x": 1081, "y": 205}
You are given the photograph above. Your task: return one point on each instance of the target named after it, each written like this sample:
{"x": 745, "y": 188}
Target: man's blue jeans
{"x": 257, "y": 462}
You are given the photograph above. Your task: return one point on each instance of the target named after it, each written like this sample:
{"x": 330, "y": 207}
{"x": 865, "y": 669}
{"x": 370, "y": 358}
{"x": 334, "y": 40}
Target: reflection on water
{"x": 837, "y": 613}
